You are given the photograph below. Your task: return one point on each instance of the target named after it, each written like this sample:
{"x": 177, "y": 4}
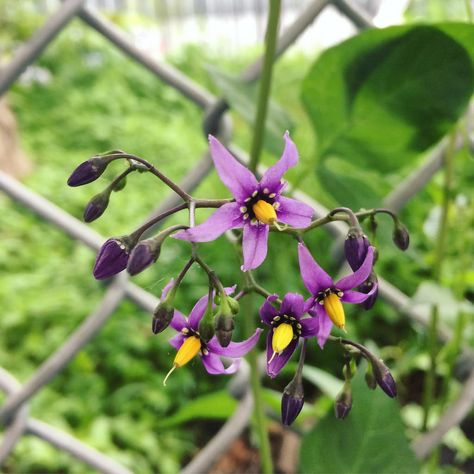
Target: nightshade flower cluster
{"x": 257, "y": 207}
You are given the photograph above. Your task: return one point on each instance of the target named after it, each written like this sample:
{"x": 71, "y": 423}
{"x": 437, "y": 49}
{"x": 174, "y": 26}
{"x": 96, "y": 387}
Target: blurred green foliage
{"x": 111, "y": 395}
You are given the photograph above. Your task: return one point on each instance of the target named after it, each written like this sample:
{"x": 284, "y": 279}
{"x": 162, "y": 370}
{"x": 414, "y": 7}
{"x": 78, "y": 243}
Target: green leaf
{"x": 370, "y": 440}
{"x": 242, "y": 97}
{"x": 213, "y": 406}
{"x": 380, "y": 99}
{"x": 327, "y": 383}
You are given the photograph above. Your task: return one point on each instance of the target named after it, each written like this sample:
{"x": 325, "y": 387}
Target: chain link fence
{"x": 14, "y": 413}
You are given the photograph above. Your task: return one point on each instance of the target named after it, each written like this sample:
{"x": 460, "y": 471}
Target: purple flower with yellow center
{"x": 257, "y": 206}
{"x": 287, "y": 326}
{"x": 190, "y": 344}
{"x": 328, "y": 295}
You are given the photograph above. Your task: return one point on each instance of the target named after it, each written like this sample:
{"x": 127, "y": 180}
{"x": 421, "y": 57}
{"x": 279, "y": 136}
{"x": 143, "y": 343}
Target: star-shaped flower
{"x": 189, "y": 342}
{"x": 287, "y": 326}
{"x": 327, "y": 295}
{"x": 257, "y": 204}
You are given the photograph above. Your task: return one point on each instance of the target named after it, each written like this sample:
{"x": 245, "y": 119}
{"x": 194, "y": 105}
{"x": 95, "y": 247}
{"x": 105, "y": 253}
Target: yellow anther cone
{"x": 335, "y": 310}
{"x": 264, "y": 212}
{"x": 191, "y": 346}
{"x": 282, "y": 336}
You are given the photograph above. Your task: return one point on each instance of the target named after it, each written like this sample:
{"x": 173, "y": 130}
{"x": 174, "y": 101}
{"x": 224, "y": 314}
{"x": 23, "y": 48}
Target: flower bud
{"x": 384, "y": 378}
{"x": 224, "y": 329}
{"x": 88, "y": 171}
{"x": 370, "y": 378}
{"x": 366, "y": 287}
{"x": 113, "y": 257}
{"x": 162, "y": 316}
{"x": 343, "y": 403}
{"x": 206, "y": 326}
{"x": 400, "y": 236}
{"x": 292, "y": 401}
{"x": 119, "y": 185}
{"x": 96, "y": 206}
{"x": 144, "y": 254}
{"x": 356, "y": 246}
{"x": 234, "y": 305}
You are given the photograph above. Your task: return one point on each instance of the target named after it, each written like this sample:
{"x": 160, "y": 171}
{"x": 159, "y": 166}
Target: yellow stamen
{"x": 191, "y": 346}
{"x": 282, "y": 336}
{"x": 264, "y": 212}
{"x": 335, "y": 310}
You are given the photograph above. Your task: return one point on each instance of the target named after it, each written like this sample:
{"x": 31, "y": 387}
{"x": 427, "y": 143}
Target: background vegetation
{"x": 111, "y": 395}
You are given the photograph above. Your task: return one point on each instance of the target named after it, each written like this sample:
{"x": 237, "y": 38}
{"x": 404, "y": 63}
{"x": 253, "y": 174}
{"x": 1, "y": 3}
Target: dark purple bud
{"x": 162, "y": 317}
{"x": 367, "y": 287}
{"x": 143, "y": 255}
{"x": 384, "y": 378}
{"x": 400, "y": 236}
{"x": 96, "y": 206}
{"x": 292, "y": 401}
{"x": 88, "y": 171}
{"x": 343, "y": 403}
{"x": 356, "y": 246}
{"x": 224, "y": 329}
{"x": 112, "y": 257}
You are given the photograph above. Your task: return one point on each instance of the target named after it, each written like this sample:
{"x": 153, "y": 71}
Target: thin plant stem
{"x": 265, "y": 82}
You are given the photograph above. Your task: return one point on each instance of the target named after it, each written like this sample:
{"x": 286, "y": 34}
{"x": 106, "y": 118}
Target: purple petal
{"x": 268, "y": 311}
{"x": 356, "y": 297}
{"x": 325, "y": 325}
{"x": 234, "y": 349}
{"x": 239, "y": 179}
{"x": 293, "y": 212}
{"x": 293, "y": 305}
{"x": 254, "y": 242}
{"x": 272, "y": 177}
{"x": 359, "y": 276}
{"x": 280, "y": 360}
{"x": 179, "y": 321}
{"x": 166, "y": 289}
{"x": 226, "y": 217}
{"x": 177, "y": 341}
{"x": 214, "y": 366}
{"x": 314, "y": 277}
{"x": 310, "y": 327}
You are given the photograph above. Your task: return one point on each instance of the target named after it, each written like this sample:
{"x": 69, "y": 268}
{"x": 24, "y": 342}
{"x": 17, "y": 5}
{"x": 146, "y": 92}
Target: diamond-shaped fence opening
{"x": 14, "y": 412}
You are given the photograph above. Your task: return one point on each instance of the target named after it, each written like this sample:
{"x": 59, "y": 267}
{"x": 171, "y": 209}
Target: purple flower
{"x": 189, "y": 343}
{"x": 257, "y": 204}
{"x": 355, "y": 247}
{"x": 112, "y": 257}
{"x": 327, "y": 295}
{"x": 287, "y": 326}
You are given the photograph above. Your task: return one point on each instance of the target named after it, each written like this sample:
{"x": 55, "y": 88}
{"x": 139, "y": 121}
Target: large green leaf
{"x": 378, "y": 100}
{"x": 216, "y": 405}
{"x": 370, "y": 440}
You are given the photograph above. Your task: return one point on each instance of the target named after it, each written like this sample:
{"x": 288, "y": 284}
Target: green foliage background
{"x": 111, "y": 395}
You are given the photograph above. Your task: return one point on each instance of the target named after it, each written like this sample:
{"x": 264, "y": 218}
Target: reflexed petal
{"x": 254, "y": 242}
{"x": 226, "y": 217}
{"x": 359, "y": 276}
{"x": 325, "y": 325}
{"x": 272, "y": 177}
{"x": 356, "y": 297}
{"x": 310, "y": 326}
{"x": 179, "y": 321}
{"x": 214, "y": 366}
{"x": 268, "y": 311}
{"x": 280, "y": 360}
{"x": 239, "y": 179}
{"x": 293, "y": 212}
{"x": 167, "y": 288}
{"x": 234, "y": 349}
{"x": 293, "y": 305}
{"x": 177, "y": 341}
{"x": 314, "y": 277}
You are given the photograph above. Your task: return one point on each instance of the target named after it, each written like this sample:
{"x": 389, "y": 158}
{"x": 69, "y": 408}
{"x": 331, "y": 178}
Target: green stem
{"x": 260, "y": 421}
{"x": 265, "y": 82}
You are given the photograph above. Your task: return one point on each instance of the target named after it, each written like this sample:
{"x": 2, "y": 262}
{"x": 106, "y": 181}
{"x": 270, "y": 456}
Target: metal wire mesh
{"x": 14, "y": 412}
